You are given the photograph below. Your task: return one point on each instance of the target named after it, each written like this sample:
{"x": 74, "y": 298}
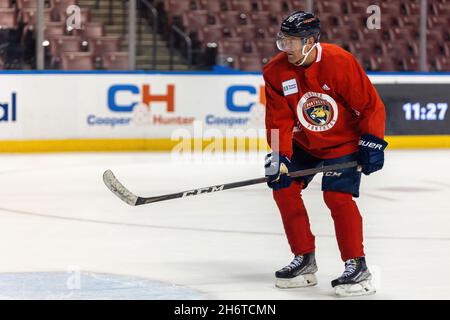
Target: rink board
{"x": 107, "y": 111}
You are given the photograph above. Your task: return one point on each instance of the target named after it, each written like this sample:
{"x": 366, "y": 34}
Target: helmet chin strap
{"x": 305, "y": 55}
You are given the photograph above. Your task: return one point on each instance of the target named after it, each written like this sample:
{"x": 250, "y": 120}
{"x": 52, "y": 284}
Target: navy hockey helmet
{"x": 301, "y": 24}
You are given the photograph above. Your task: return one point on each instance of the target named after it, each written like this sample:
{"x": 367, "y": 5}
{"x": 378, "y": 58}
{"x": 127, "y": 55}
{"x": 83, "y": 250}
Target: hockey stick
{"x": 127, "y": 196}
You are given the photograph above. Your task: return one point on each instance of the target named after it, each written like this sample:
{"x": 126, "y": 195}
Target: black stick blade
{"x": 118, "y": 189}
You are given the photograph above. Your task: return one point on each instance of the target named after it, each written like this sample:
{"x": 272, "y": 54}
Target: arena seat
{"x": 5, "y": 3}
{"x": 29, "y": 15}
{"x": 8, "y": 18}
{"x": 195, "y": 20}
{"x": 331, "y": 7}
{"x": 345, "y": 32}
{"x": 402, "y": 48}
{"x": 52, "y": 29}
{"x": 367, "y": 46}
{"x": 246, "y": 31}
{"x": 250, "y": 63}
{"x": 411, "y": 8}
{"x": 244, "y": 6}
{"x": 436, "y": 49}
{"x": 277, "y": 6}
{"x": 115, "y": 60}
{"x": 410, "y": 64}
{"x": 391, "y": 8}
{"x": 215, "y": 5}
{"x": 249, "y": 47}
{"x": 215, "y": 33}
{"x": 384, "y": 63}
{"x": 61, "y": 44}
{"x": 77, "y": 61}
{"x": 267, "y": 47}
{"x": 21, "y": 4}
{"x": 299, "y": 5}
{"x": 404, "y": 33}
{"x": 356, "y": 21}
{"x": 233, "y": 18}
{"x": 100, "y": 45}
{"x": 392, "y": 21}
{"x": 438, "y": 22}
{"x": 436, "y": 35}
{"x": 62, "y": 5}
{"x": 92, "y": 30}
{"x": 442, "y": 64}
{"x": 177, "y": 7}
{"x": 261, "y": 19}
{"x": 443, "y": 9}
{"x": 328, "y": 20}
{"x": 230, "y": 46}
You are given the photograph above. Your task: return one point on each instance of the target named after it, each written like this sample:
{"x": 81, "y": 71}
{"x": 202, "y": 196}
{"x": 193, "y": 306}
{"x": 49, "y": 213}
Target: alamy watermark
{"x": 374, "y": 20}
{"x": 200, "y": 144}
{"x": 73, "y": 281}
{"x": 73, "y": 21}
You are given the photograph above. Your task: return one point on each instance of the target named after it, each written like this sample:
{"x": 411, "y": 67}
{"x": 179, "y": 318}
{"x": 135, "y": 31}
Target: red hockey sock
{"x": 347, "y": 223}
{"x": 295, "y": 219}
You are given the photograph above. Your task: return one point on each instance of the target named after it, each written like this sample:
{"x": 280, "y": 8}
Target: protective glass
{"x": 287, "y": 43}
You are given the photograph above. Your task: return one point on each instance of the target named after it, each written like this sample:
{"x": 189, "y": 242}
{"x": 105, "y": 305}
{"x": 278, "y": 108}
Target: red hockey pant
{"x": 345, "y": 214}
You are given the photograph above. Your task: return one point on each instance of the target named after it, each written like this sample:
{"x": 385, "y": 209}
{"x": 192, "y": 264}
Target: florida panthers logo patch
{"x": 317, "y": 111}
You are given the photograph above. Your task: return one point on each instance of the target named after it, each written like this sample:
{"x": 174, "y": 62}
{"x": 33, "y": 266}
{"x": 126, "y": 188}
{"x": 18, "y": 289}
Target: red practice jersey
{"x": 325, "y": 107}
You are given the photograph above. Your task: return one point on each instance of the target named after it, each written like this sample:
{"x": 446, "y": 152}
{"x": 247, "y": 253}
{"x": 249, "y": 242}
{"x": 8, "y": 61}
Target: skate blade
{"x": 363, "y": 288}
{"x": 304, "y": 280}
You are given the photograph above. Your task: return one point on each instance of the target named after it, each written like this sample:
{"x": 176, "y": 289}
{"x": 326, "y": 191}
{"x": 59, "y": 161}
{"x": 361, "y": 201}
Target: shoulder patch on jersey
{"x": 289, "y": 87}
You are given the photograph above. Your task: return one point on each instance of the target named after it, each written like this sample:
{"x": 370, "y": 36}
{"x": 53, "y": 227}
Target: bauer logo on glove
{"x": 371, "y": 145}
{"x": 371, "y": 153}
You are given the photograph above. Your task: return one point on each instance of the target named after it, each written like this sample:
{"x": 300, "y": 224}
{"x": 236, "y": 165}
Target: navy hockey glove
{"x": 371, "y": 153}
{"x": 277, "y": 167}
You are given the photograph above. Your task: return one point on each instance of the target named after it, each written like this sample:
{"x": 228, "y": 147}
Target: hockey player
{"x": 321, "y": 109}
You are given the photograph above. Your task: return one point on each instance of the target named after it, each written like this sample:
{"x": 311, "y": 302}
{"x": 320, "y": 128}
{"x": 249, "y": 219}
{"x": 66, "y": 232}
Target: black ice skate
{"x": 299, "y": 273}
{"x": 355, "y": 281}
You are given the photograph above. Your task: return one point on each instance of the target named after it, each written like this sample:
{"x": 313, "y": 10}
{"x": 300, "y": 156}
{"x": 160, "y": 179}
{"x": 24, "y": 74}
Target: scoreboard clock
{"x": 416, "y": 109}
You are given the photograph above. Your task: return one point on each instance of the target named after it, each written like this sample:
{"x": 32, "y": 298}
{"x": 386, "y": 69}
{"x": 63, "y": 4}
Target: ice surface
{"x": 75, "y": 285}
{"x": 56, "y": 214}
